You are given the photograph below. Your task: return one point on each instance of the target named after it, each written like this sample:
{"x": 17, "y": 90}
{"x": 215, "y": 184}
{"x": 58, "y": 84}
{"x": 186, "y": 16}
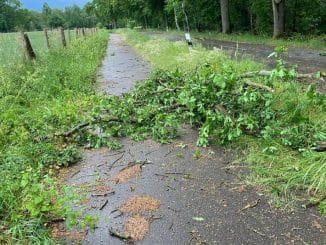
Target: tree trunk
{"x": 176, "y": 19}
{"x": 186, "y": 17}
{"x": 279, "y": 18}
{"x": 294, "y": 20}
{"x": 225, "y": 16}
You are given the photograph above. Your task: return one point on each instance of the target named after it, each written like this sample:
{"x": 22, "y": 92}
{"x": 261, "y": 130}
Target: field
{"x": 11, "y": 47}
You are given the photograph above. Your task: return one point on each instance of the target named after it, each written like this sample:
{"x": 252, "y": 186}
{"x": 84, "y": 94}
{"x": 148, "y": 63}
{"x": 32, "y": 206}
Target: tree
{"x": 279, "y": 18}
{"x": 225, "y": 16}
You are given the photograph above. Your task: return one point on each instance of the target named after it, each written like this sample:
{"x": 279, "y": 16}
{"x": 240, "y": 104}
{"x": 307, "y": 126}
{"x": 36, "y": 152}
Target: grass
{"x": 278, "y": 165}
{"x": 11, "y": 47}
{"x": 168, "y": 55}
{"x": 299, "y": 41}
{"x": 38, "y": 100}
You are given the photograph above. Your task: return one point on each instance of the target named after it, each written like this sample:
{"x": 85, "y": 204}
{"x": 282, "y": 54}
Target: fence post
{"x": 69, "y": 35}
{"x": 47, "y": 38}
{"x": 63, "y": 38}
{"x": 28, "y": 46}
{"x": 83, "y": 31}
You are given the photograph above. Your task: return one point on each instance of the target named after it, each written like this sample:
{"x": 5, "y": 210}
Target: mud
{"x": 201, "y": 192}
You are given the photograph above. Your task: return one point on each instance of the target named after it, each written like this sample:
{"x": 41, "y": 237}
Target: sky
{"x": 37, "y": 5}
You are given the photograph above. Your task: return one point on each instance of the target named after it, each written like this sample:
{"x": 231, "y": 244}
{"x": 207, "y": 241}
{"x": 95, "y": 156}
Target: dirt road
{"x": 177, "y": 193}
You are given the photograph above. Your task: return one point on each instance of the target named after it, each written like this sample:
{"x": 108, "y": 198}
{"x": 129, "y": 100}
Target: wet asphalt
{"x": 203, "y": 196}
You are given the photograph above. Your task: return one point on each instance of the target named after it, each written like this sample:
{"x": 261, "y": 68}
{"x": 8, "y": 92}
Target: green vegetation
{"x": 301, "y": 17}
{"x": 38, "y": 100}
{"x": 300, "y": 41}
{"x": 11, "y": 45}
{"x": 13, "y": 17}
{"x": 276, "y": 130}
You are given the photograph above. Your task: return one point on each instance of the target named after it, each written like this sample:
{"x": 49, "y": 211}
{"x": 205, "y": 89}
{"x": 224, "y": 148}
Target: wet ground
{"x": 120, "y": 68}
{"x": 308, "y": 60}
{"x": 201, "y": 193}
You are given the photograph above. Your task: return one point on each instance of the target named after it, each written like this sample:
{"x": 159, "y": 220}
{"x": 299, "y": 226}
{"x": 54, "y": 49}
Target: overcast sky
{"x": 37, "y": 5}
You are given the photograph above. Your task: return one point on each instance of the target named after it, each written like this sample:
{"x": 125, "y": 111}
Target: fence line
{"x": 14, "y": 47}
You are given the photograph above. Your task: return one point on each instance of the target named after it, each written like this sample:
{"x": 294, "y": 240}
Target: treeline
{"x": 14, "y": 18}
{"x": 256, "y": 16}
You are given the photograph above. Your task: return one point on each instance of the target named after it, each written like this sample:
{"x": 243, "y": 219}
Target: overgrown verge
{"x": 295, "y": 41}
{"x": 37, "y": 100}
{"x": 273, "y": 119}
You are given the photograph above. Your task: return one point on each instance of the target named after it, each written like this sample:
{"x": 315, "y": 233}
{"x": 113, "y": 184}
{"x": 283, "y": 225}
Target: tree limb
{"x": 259, "y": 86}
{"x": 264, "y": 73}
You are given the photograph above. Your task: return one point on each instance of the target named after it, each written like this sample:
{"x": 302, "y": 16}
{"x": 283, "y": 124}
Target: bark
{"x": 28, "y": 47}
{"x": 279, "y": 18}
{"x": 186, "y": 17}
{"x": 47, "y": 38}
{"x": 225, "y": 16}
{"x": 176, "y": 19}
{"x": 63, "y": 38}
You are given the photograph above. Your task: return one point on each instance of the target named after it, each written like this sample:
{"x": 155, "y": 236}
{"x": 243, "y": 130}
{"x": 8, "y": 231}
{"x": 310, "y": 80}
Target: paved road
{"x": 203, "y": 199}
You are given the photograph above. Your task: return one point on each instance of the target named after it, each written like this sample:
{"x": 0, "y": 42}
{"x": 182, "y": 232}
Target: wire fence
{"x": 12, "y": 45}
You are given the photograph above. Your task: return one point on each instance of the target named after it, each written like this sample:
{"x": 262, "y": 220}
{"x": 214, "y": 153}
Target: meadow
{"x": 11, "y": 46}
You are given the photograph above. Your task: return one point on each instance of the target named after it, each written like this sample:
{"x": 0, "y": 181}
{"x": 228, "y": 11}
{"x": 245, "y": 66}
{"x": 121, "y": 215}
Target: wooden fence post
{"x": 28, "y": 46}
{"x": 83, "y": 31}
{"x": 69, "y": 36}
{"x": 47, "y": 38}
{"x": 63, "y": 38}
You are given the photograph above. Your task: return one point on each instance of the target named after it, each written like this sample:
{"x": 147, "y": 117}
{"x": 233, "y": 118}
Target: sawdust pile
{"x": 60, "y": 233}
{"x": 138, "y": 204}
{"x": 137, "y": 228}
{"x": 127, "y": 173}
{"x": 101, "y": 188}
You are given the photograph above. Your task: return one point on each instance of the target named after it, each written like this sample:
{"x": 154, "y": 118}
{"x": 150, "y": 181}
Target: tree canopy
{"x": 255, "y": 16}
{"x": 13, "y": 17}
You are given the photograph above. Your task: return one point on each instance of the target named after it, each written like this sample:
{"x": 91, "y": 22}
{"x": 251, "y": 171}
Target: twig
{"x": 260, "y": 86}
{"x": 176, "y": 173}
{"x": 256, "y": 231}
{"x": 104, "y": 205}
{"x": 161, "y": 175}
{"x": 74, "y": 174}
{"x": 112, "y": 165}
{"x": 75, "y": 129}
{"x": 153, "y": 218}
{"x": 170, "y": 151}
{"x": 250, "y": 205}
{"x": 103, "y": 195}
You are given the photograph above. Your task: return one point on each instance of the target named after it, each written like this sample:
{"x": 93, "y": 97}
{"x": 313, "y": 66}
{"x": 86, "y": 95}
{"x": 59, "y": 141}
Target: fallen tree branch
{"x": 259, "y": 86}
{"x": 264, "y": 73}
{"x": 75, "y": 129}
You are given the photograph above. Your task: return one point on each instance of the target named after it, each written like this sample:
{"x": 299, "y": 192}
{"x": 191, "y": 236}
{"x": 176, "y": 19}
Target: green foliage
{"x": 277, "y": 130}
{"x": 37, "y": 101}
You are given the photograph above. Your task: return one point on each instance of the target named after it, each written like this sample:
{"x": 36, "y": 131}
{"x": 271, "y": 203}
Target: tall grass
{"x": 37, "y": 101}
{"x": 11, "y": 46}
{"x": 297, "y": 41}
